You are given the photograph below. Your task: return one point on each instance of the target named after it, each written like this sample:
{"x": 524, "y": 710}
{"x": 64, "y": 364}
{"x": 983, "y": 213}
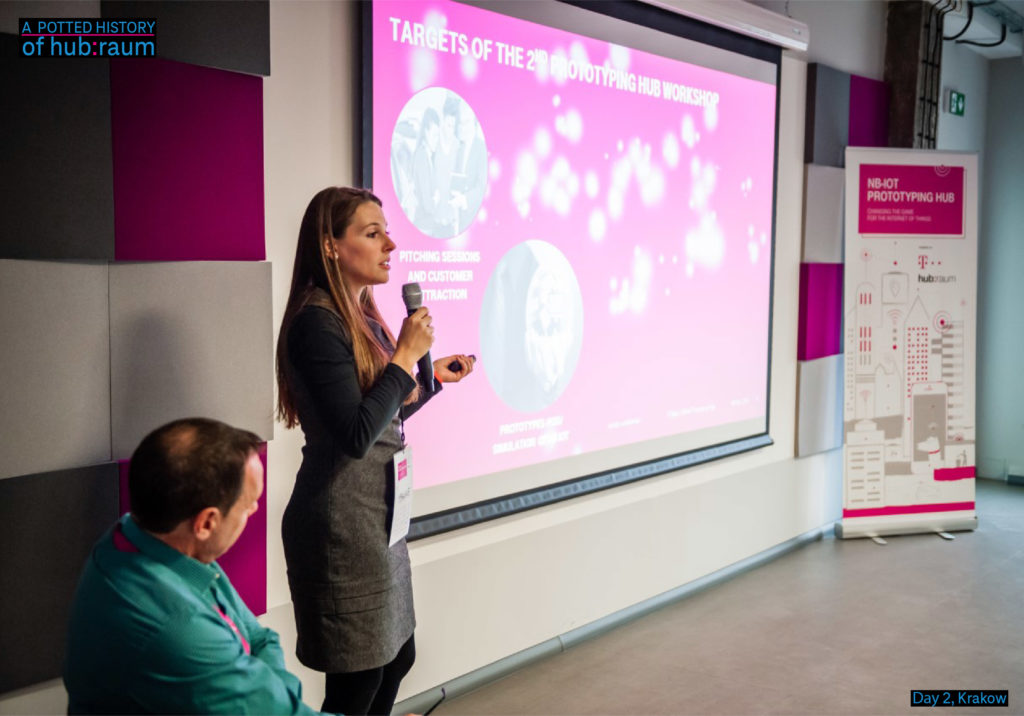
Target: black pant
{"x": 373, "y": 691}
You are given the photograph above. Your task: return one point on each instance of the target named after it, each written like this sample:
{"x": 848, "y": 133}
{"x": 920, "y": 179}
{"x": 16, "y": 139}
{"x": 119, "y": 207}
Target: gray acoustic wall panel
{"x": 12, "y": 10}
{"x": 827, "y": 130}
{"x": 48, "y": 525}
{"x": 820, "y": 406}
{"x": 823, "y": 214}
{"x": 190, "y": 339}
{"x": 229, "y": 35}
{"x": 54, "y": 366}
{"x": 56, "y": 175}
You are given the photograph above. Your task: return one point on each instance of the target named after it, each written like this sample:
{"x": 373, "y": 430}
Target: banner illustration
{"x": 909, "y": 302}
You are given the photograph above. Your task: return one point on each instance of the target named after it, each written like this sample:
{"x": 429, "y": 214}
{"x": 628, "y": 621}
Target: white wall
{"x": 848, "y": 35}
{"x": 965, "y": 71}
{"x": 1000, "y": 268}
{"x": 991, "y": 125}
{"x": 309, "y": 104}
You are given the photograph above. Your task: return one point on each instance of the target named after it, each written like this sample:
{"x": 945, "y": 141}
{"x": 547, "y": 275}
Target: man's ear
{"x": 205, "y": 523}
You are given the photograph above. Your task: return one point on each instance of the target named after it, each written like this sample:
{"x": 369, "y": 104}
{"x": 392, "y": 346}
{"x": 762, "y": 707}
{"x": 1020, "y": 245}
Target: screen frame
{"x": 648, "y": 16}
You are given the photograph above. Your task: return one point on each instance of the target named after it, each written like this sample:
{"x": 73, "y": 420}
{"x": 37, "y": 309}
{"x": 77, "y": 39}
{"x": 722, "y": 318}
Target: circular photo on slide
{"x": 439, "y": 162}
{"x": 531, "y": 326}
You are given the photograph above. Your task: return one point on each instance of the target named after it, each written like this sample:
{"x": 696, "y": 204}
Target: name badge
{"x": 401, "y": 511}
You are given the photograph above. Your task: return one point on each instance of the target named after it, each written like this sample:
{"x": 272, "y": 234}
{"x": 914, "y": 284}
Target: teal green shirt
{"x": 155, "y": 631}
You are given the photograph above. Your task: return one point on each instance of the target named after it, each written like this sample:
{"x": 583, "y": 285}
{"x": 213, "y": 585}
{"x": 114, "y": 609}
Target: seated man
{"x": 156, "y": 626}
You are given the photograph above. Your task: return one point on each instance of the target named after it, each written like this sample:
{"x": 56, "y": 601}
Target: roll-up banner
{"x": 909, "y": 327}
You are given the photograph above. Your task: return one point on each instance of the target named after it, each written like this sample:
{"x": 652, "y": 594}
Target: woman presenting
{"x": 345, "y": 379}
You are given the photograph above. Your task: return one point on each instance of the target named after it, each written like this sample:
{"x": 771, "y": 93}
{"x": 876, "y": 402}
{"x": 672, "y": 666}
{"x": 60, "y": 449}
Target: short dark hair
{"x": 183, "y": 467}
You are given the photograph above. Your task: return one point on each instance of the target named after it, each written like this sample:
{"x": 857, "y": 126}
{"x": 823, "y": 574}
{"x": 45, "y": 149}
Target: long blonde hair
{"x": 328, "y": 216}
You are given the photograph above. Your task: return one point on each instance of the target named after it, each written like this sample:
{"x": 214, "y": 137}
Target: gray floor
{"x": 836, "y": 627}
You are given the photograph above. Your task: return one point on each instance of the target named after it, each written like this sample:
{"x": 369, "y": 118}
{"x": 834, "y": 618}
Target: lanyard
{"x": 234, "y": 627}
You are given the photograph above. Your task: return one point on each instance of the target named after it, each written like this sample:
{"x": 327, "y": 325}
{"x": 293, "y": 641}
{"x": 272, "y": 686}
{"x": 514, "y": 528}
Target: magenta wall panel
{"x": 869, "y": 112}
{"x": 188, "y": 162}
{"x": 819, "y": 329}
{"x": 246, "y": 562}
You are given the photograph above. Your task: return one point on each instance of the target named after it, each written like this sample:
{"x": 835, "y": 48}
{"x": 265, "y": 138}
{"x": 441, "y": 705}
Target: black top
{"x": 323, "y": 357}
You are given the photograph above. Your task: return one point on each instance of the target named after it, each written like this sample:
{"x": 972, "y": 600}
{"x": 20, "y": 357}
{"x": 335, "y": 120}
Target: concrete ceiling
{"x": 986, "y": 26}
{"x": 1008, "y": 12}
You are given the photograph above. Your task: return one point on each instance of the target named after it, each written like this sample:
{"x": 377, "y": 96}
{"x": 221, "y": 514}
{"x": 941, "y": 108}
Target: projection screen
{"x": 586, "y": 197}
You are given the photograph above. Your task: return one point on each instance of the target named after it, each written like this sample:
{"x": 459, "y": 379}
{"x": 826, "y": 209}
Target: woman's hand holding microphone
{"x": 416, "y": 338}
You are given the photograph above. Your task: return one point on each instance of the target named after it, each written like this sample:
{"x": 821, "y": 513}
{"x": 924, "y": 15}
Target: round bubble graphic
{"x": 439, "y": 162}
{"x": 531, "y": 326}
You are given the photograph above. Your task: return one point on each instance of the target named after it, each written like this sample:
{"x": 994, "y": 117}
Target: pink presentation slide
{"x": 591, "y": 221}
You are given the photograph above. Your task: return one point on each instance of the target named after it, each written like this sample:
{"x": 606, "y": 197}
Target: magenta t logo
{"x": 922, "y": 260}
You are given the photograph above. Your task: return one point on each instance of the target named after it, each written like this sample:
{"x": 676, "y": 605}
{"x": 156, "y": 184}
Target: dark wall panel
{"x": 828, "y": 116}
{"x": 48, "y": 525}
{"x": 55, "y": 157}
{"x": 233, "y": 35}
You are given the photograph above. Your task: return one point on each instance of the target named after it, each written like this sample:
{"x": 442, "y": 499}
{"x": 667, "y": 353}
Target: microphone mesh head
{"x": 412, "y": 295}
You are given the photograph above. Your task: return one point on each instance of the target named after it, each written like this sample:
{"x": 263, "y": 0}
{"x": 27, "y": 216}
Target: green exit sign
{"x": 957, "y": 100}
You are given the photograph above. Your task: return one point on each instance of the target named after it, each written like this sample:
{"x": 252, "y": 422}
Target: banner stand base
{"x": 855, "y": 527}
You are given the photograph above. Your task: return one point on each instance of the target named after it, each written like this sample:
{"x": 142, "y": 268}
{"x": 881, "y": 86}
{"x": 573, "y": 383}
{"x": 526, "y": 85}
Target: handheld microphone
{"x": 413, "y": 298}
